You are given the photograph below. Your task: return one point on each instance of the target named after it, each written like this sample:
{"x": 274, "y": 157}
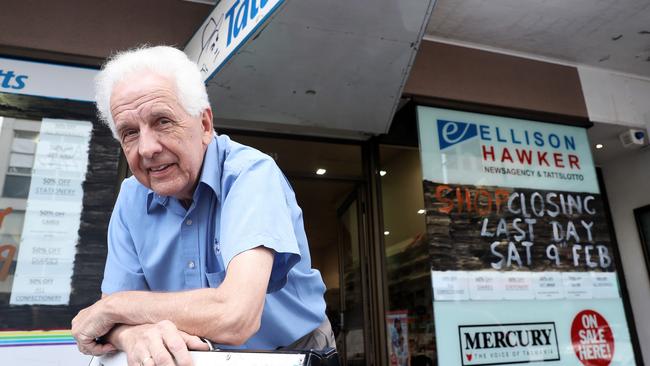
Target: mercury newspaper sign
{"x": 573, "y": 333}
{"x": 228, "y": 27}
{"x": 519, "y": 342}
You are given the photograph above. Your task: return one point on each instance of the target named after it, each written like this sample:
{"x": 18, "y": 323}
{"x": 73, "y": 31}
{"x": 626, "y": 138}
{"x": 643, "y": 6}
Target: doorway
{"x": 327, "y": 178}
{"x": 353, "y": 329}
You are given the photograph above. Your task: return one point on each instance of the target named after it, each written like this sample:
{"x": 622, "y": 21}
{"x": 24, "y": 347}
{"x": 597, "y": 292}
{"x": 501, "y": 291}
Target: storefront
{"x": 511, "y": 233}
{"x": 475, "y": 232}
{"x": 59, "y": 169}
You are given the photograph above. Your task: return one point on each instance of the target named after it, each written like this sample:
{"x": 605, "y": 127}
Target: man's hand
{"x": 90, "y": 324}
{"x": 160, "y": 344}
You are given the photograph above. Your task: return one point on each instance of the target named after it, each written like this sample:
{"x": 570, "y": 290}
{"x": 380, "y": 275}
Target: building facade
{"x": 384, "y": 233}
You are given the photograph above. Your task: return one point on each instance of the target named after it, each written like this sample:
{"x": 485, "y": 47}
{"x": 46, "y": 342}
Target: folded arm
{"x": 229, "y": 314}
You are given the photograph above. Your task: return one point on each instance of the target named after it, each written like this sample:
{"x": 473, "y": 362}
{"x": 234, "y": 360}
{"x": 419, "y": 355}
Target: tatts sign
{"x": 229, "y": 26}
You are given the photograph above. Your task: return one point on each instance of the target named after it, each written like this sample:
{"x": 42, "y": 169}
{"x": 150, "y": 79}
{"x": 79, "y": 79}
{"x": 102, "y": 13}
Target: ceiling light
{"x": 321, "y": 171}
{"x": 386, "y": 232}
{"x": 599, "y": 146}
{"x": 382, "y": 172}
{"x": 422, "y": 211}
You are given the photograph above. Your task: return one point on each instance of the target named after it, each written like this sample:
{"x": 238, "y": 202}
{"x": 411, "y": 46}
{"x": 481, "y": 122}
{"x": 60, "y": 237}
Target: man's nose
{"x": 149, "y": 145}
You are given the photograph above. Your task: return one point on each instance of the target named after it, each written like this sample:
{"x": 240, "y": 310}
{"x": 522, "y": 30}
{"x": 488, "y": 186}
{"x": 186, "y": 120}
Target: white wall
{"x": 616, "y": 98}
{"x": 623, "y": 99}
{"x": 627, "y": 180}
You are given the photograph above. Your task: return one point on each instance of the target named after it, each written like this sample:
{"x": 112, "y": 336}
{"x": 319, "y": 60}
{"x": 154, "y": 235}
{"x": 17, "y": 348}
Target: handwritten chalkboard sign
{"x": 491, "y": 228}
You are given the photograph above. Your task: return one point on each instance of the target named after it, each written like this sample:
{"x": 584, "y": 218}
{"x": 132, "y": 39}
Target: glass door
{"x": 327, "y": 178}
{"x": 352, "y": 340}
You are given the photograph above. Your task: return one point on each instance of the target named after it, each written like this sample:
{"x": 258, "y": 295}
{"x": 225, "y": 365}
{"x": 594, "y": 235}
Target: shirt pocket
{"x": 215, "y": 278}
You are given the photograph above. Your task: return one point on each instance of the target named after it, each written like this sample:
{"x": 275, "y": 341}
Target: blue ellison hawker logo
{"x": 452, "y": 133}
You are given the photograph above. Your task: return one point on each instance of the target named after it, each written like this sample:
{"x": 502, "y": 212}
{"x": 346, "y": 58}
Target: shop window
{"x": 496, "y": 226}
{"x": 516, "y": 242}
{"x": 58, "y": 176}
{"x": 42, "y": 201}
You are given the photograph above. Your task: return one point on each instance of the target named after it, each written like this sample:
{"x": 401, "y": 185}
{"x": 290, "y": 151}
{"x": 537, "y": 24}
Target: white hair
{"x": 165, "y": 60}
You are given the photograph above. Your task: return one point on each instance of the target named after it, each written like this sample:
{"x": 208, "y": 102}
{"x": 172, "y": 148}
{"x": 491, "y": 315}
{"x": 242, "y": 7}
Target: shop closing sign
{"x": 522, "y": 265}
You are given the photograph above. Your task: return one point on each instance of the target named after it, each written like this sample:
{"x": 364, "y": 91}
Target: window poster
{"x": 398, "y": 349}
{"x": 522, "y": 264}
{"x": 52, "y": 216}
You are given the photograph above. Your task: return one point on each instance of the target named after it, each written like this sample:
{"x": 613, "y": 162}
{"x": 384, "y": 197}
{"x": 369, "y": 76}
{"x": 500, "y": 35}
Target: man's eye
{"x": 129, "y": 134}
{"x": 164, "y": 121}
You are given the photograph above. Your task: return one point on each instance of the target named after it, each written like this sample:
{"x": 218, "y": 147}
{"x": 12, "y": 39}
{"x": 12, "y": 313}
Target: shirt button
{"x": 188, "y": 222}
{"x": 191, "y": 265}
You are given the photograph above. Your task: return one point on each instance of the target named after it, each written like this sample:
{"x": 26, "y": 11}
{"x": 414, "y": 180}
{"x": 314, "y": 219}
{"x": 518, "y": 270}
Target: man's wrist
{"x": 117, "y": 336}
{"x": 129, "y": 307}
{"x": 113, "y": 309}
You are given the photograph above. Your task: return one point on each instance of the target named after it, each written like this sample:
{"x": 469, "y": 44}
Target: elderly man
{"x": 206, "y": 239}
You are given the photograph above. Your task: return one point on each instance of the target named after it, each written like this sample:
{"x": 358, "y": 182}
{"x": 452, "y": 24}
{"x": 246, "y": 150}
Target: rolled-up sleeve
{"x": 255, "y": 212}
{"x": 123, "y": 271}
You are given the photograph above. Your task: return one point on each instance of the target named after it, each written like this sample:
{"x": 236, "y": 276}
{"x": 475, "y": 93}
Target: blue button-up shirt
{"x": 242, "y": 201}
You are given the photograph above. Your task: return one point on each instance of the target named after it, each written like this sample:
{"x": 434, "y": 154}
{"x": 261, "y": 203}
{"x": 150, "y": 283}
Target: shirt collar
{"x": 210, "y": 176}
{"x": 154, "y": 200}
{"x": 212, "y": 167}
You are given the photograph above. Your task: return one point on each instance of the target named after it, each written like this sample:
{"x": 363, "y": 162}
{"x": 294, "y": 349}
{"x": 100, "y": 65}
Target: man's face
{"x": 163, "y": 144}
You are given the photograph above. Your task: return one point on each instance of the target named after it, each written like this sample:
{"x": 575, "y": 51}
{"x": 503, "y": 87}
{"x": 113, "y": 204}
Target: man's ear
{"x": 206, "y": 124}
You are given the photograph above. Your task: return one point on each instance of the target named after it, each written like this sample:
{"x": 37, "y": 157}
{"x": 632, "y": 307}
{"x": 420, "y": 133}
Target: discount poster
{"x": 52, "y": 218}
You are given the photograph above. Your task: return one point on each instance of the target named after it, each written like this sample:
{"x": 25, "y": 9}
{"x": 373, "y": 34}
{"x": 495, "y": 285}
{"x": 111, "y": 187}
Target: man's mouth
{"x": 159, "y": 168}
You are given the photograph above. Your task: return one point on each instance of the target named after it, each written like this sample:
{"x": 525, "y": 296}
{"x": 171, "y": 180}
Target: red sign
{"x": 592, "y": 339}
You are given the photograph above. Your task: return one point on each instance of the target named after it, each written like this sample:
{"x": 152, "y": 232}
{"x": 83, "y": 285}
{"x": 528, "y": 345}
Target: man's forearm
{"x": 229, "y": 314}
{"x": 204, "y": 312}
{"x": 200, "y": 312}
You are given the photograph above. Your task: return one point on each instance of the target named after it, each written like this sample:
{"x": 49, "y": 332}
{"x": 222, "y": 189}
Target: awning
{"x": 331, "y": 68}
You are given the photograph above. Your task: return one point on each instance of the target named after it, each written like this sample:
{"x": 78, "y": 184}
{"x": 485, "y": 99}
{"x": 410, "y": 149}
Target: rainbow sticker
{"x": 20, "y": 338}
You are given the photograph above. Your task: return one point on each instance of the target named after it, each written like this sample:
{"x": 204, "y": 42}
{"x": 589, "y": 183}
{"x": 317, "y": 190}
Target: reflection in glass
{"x": 352, "y": 294}
{"x": 407, "y": 257}
{"x": 16, "y": 186}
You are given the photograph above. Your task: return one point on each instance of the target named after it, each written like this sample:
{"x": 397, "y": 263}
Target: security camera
{"x": 632, "y": 138}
